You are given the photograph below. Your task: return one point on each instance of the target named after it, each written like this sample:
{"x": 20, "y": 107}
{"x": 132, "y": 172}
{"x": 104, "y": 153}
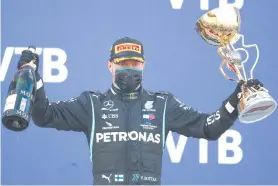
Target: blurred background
{"x": 74, "y": 37}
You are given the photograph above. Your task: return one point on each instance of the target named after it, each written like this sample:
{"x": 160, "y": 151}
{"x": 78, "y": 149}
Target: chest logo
{"x": 108, "y": 105}
{"x": 149, "y": 106}
{"x": 148, "y": 117}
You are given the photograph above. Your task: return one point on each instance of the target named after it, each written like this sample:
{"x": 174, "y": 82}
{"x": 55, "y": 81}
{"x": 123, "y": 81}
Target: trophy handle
{"x": 247, "y": 57}
{"x": 244, "y": 50}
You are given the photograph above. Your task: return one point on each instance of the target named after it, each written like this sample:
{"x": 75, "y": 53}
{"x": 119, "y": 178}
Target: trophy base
{"x": 256, "y": 107}
{"x": 13, "y": 121}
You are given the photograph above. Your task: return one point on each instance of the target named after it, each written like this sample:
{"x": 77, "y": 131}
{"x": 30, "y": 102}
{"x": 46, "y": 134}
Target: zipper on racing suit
{"x": 129, "y": 144}
{"x": 127, "y": 112}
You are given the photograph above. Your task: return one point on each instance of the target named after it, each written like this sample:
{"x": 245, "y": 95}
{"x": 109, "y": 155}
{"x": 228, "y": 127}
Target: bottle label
{"x": 23, "y": 104}
{"x": 10, "y": 102}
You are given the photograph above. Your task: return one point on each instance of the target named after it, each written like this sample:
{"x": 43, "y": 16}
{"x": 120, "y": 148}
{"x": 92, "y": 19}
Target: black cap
{"x": 127, "y": 49}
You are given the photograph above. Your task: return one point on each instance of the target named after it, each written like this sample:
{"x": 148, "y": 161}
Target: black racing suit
{"x": 127, "y": 132}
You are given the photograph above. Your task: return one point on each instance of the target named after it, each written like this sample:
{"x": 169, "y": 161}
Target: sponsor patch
{"x": 128, "y": 47}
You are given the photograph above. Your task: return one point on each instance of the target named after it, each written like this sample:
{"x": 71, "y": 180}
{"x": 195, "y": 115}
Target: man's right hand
{"x": 26, "y": 57}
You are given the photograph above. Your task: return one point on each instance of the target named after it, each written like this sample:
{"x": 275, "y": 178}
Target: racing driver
{"x": 126, "y": 126}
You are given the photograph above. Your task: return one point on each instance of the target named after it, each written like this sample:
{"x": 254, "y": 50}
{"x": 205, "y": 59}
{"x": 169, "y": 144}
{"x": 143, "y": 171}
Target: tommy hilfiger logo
{"x": 148, "y": 117}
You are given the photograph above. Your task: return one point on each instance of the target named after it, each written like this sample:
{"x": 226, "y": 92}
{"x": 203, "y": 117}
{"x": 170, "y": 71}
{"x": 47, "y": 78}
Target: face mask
{"x": 128, "y": 79}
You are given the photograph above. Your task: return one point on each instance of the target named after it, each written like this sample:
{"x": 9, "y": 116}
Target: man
{"x": 126, "y": 126}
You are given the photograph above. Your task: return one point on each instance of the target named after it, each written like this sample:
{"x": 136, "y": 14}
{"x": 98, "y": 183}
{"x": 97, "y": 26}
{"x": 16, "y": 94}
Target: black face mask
{"x": 128, "y": 79}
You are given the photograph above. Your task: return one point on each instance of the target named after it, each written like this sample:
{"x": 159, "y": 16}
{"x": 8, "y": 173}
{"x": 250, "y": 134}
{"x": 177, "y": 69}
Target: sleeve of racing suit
{"x": 184, "y": 120}
{"x": 74, "y": 114}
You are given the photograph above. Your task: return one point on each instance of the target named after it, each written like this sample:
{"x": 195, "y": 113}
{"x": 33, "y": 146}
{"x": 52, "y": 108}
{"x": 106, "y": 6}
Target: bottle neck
{"x": 28, "y": 66}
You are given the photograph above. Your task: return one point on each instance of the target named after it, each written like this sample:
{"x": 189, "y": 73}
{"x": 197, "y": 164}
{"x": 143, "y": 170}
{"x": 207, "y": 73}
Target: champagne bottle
{"x": 20, "y": 98}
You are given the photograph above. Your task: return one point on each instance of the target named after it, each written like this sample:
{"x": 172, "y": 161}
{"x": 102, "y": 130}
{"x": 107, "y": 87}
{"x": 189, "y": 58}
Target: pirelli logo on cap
{"x": 128, "y": 47}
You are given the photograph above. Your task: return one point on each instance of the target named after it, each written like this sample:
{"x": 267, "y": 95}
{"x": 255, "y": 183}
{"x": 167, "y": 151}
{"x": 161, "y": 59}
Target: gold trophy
{"x": 220, "y": 27}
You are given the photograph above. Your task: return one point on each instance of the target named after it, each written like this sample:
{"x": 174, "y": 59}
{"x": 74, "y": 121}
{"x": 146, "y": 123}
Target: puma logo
{"x": 106, "y": 177}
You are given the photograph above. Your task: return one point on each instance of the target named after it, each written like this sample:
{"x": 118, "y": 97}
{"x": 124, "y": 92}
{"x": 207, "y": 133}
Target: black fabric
{"x": 127, "y": 136}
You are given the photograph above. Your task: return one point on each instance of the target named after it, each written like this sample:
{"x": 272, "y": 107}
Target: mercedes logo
{"x": 108, "y": 104}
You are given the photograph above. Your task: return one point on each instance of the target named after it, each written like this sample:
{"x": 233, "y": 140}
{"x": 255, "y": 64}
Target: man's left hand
{"x": 237, "y": 94}
{"x": 255, "y": 83}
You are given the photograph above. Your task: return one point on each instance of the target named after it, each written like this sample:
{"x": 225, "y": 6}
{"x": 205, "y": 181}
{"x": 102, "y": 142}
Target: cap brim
{"x": 123, "y": 56}
{"x": 120, "y": 59}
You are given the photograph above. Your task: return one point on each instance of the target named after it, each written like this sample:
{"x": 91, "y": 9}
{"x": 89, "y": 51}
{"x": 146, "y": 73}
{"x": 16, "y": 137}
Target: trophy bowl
{"x": 219, "y": 26}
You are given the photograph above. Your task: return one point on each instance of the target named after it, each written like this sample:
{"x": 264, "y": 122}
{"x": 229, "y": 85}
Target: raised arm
{"x": 185, "y": 120}
{"x": 74, "y": 114}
